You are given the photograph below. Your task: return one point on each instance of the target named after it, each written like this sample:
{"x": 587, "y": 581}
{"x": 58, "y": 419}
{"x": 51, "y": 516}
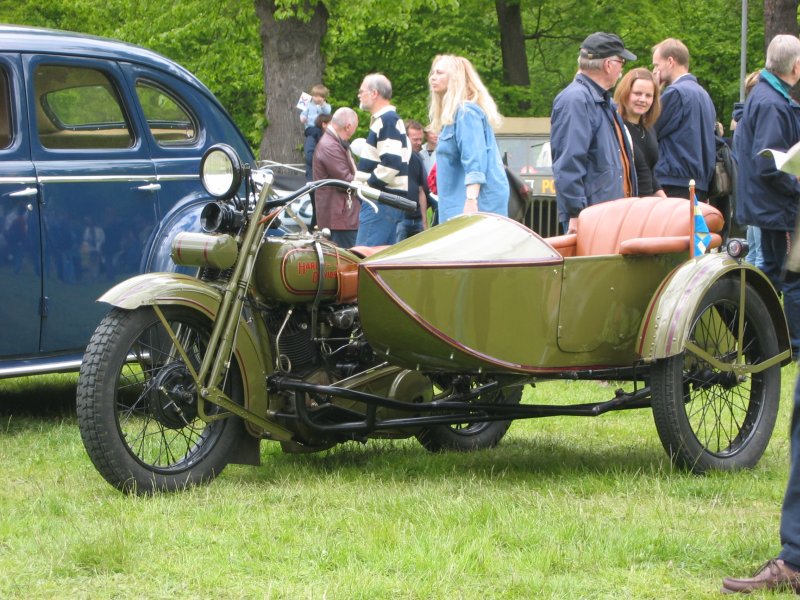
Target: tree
{"x": 293, "y": 62}
{"x": 780, "y": 16}
{"x": 512, "y": 46}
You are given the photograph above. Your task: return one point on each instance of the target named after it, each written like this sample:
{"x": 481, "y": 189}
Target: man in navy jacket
{"x": 592, "y": 156}
{"x": 768, "y": 198}
{"x": 686, "y": 143}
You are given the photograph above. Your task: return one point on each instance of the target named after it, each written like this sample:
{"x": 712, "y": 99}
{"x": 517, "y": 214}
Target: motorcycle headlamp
{"x": 221, "y": 171}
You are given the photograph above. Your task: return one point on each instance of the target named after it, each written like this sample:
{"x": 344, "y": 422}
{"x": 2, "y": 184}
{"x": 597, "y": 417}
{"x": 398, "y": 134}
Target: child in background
{"x": 315, "y": 107}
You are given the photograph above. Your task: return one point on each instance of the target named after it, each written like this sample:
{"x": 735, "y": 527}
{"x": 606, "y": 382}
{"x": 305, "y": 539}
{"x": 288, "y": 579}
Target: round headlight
{"x": 221, "y": 171}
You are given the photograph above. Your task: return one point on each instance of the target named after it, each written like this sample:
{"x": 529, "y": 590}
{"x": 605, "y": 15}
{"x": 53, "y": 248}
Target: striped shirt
{"x": 384, "y": 159}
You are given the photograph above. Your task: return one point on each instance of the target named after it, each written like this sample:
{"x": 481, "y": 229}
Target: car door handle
{"x": 150, "y": 187}
{"x": 29, "y": 191}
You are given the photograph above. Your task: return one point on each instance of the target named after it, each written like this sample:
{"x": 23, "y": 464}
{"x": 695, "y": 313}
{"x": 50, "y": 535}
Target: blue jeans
{"x": 754, "y": 241}
{"x": 774, "y": 245}
{"x": 790, "y": 515}
{"x": 378, "y": 229}
{"x": 408, "y": 227}
{"x": 344, "y": 238}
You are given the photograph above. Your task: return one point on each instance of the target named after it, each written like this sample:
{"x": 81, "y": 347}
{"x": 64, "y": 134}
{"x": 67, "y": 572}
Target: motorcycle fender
{"x": 174, "y": 288}
{"x": 668, "y": 319}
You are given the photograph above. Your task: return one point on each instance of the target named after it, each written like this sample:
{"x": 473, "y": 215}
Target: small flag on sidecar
{"x": 702, "y": 237}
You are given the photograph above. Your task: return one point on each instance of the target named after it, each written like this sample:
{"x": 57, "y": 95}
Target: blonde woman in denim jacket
{"x": 469, "y": 172}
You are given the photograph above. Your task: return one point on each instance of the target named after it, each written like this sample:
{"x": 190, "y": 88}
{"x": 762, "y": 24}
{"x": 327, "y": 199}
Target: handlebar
{"x": 365, "y": 192}
{"x": 389, "y": 199}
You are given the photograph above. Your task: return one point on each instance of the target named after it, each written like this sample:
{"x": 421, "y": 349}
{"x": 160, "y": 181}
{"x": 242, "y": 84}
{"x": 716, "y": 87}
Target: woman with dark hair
{"x": 637, "y": 101}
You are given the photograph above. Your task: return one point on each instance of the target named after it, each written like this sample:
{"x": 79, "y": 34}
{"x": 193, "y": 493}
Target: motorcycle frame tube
{"x": 665, "y": 328}
{"x": 457, "y": 407}
{"x": 227, "y": 322}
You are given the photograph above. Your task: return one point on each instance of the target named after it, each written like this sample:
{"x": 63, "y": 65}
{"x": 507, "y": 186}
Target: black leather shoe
{"x": 773, "y": 575}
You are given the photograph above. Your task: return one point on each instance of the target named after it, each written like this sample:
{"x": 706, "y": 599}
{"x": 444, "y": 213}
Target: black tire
{"x": 140, "y": 438}
{"x": 708, "y": 419}
{"x": 466, "y": 437}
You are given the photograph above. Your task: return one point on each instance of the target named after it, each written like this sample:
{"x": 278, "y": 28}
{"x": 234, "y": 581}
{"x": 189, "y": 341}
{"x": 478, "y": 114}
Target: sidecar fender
{"x": 177, "y": 289}
{"x": 669, "y": 315}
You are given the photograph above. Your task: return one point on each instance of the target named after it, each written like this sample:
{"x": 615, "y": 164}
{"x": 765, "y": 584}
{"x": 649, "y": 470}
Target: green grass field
{"x": 563, "y": 508}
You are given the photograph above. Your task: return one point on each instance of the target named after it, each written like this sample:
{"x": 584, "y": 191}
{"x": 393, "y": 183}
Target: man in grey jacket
{"x": 592, "y": 155}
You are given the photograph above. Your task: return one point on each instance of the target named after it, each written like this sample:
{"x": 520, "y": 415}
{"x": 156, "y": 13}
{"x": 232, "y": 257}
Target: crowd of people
{"x": 656, "y": 136}
{"x": 453, "y": 166}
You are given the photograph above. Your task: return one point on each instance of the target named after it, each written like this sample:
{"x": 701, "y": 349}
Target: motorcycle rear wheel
{"x": 137, "y": 403}
{"x": 466, "y": 437}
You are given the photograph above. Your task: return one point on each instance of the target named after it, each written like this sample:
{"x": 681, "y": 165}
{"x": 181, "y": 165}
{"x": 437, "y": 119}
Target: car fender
{"x": 669, "y": 315}
{"x": 184, "y": 216}
{"x": 254, "y": 359}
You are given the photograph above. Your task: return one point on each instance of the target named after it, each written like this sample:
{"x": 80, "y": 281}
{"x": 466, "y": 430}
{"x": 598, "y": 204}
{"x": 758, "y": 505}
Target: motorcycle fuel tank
{"x": 288, "y": 270}
{"x": 480, "y": 292}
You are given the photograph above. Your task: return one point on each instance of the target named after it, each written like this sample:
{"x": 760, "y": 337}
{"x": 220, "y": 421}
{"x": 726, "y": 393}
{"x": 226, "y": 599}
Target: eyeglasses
{"x": 621, "y": 61}
{"x": 363, "y": 91}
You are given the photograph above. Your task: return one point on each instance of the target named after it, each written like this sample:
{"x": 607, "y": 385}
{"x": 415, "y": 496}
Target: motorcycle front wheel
{"x": 137, "y": 403}
{"x": 466, "y": 437}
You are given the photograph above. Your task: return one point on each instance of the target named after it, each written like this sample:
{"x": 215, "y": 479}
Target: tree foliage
{"x": 219, "y": 41}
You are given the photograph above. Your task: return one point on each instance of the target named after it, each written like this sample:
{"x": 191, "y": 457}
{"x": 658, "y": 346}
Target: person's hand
{"x": 470, "y": 206}
{"x": 572, "y": 227}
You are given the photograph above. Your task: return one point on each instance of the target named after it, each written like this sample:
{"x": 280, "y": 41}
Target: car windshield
{"x": 526, "y": 155}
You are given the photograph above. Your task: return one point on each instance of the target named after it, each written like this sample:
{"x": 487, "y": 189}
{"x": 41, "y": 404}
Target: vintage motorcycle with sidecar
{"x": 294, "y": 340}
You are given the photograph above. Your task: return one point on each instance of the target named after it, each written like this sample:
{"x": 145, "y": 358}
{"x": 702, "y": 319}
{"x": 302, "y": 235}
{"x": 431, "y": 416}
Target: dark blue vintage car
{"x": 100, "y": 147}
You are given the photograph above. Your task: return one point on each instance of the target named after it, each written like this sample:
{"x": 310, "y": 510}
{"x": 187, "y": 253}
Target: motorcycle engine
{"x": 338, "y": 344}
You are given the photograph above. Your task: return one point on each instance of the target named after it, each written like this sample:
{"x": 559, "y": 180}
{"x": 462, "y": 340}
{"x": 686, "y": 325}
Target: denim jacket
{"x": 467, "y": 153}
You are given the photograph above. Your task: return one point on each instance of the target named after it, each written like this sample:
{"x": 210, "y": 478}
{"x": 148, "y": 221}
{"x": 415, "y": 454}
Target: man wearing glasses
{"x": 685, "y": 130}
{"x": 384, "y": 161}
{"x": 592, "y": 155}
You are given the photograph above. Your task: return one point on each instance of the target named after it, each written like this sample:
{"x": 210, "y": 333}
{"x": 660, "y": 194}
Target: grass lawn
{"x": 565, "y": 507}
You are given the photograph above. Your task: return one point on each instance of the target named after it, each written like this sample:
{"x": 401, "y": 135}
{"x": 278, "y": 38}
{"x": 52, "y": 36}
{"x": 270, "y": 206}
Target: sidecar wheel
{"x": 709, "y": 419}
{"x": 137, "y": 403}
{"x": 465, "y": 437}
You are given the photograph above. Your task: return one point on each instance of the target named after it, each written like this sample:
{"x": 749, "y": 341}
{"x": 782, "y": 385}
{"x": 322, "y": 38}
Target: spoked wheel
{"x": 137, "y": 403}
{"x": 464, "y": 437}
{"x": 720, "y": 417}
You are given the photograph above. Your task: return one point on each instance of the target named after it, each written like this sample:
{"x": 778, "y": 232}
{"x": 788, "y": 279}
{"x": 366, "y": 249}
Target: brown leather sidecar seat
{"x": 649, "y": 225}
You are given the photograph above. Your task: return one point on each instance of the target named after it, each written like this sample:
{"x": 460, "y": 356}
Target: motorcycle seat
{"x": 637, "y": 226}
{"x": 365, "y": 251}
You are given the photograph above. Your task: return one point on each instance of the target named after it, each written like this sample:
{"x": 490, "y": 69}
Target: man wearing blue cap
{"x": 592, "y": 155}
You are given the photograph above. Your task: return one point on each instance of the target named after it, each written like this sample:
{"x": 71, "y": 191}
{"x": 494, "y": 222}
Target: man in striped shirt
{"x": 384, "y": 161}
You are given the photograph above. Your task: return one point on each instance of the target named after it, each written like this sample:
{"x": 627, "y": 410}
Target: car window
{"x": 79, "y": 108}
{"x": 5, "y": 111}
{"x": 170, "y": 123}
